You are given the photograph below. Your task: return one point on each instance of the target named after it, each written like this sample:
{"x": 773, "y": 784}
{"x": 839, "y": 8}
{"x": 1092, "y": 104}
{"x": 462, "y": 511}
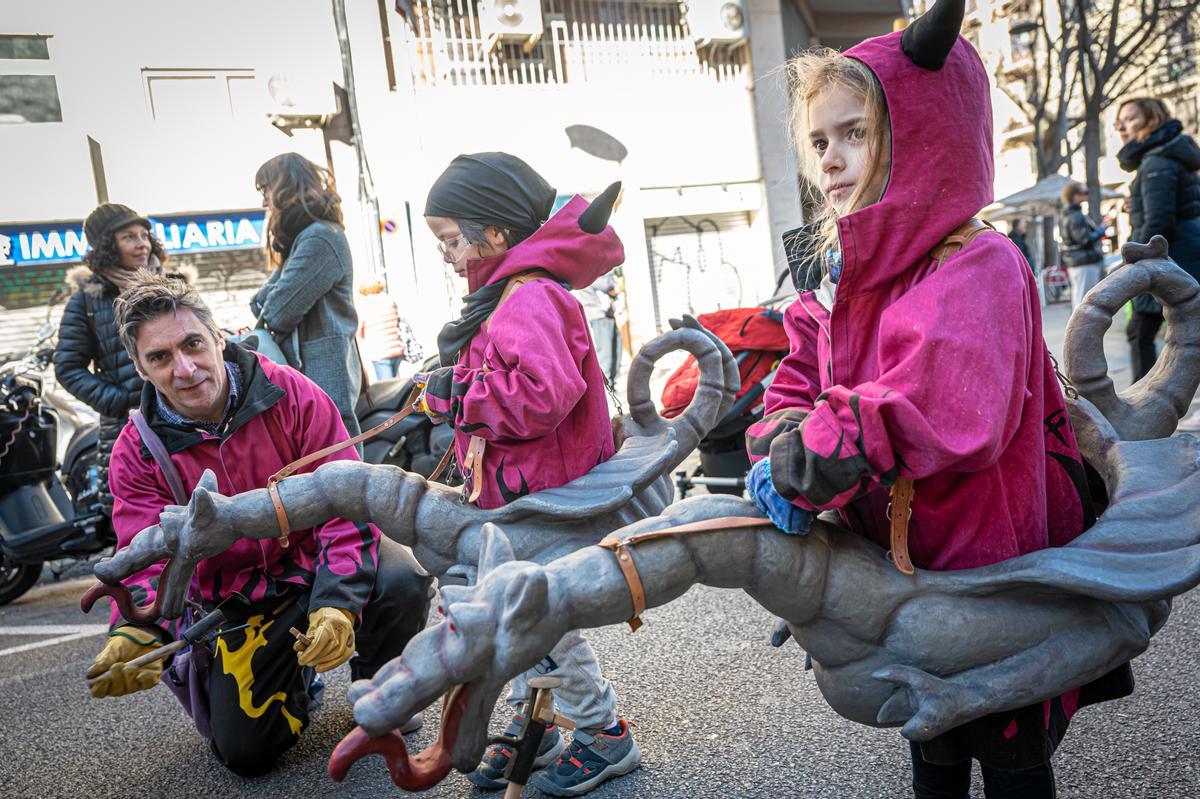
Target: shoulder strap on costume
{"x": 158, "y": 451}
{"x": 963, "y": 235}
{"x": 473, "y": 462}
{"x": 899, "y": 510}
{"x": 515, "y": 282}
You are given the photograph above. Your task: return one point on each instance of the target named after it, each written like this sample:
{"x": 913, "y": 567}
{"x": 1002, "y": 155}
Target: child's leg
{"x": 932, "y": 781}
{"x": 585, "y": 696}
{"x": 1030, "y": 783}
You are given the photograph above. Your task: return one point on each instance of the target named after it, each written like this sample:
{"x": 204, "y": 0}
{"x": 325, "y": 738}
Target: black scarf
{"x": 477, "y": 307}
{"x": 293, "y": 221}
{"x": 1131, "y": 155}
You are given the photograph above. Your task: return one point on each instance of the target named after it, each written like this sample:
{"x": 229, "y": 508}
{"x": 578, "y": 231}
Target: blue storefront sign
{"x": 64, "y": 242}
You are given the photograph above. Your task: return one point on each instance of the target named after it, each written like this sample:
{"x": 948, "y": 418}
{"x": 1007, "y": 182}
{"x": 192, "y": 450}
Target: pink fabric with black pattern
{"x": 940, "y": 375}
{"x": 529, "y": 382}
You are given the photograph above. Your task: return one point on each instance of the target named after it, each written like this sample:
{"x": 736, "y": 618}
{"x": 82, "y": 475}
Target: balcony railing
{"x": 583, "y": 41}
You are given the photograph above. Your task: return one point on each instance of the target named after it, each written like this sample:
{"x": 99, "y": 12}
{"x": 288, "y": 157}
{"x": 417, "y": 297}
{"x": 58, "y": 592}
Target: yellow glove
{"x": 124, "y": 644}
{"x": 331, "y": 631}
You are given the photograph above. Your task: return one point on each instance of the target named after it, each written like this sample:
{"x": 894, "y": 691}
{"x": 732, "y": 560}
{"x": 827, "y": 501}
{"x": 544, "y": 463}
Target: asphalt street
{"x": 719, "y": 713}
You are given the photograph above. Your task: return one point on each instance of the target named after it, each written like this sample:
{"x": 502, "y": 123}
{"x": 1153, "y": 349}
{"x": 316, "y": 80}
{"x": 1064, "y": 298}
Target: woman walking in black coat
{"x": 90, "y": 361}
{"x": 1164, "y": 200}
{"x": 1081, "y": 252}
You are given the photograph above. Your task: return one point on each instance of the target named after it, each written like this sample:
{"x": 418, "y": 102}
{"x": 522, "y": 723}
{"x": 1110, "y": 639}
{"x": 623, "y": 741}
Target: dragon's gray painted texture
{"x": 887, "y": 649}
{"x": 432, "y": 518}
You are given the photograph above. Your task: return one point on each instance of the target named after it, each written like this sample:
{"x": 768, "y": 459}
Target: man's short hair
{"x": 150, "y": 298}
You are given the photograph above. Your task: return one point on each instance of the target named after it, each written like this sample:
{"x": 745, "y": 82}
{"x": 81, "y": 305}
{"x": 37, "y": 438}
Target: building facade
{"x": 171, "y": 110}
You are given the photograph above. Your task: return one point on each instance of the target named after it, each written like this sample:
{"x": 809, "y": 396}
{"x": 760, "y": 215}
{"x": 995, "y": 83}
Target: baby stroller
{"x": 758, "y": 342}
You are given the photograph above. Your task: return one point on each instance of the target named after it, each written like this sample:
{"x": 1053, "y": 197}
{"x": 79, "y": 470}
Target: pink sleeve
{"x": 540, "y": 339}
{"x": 794, "y": 388}
{"x": 346, "y": 563}
{"x": 955, "y": 360}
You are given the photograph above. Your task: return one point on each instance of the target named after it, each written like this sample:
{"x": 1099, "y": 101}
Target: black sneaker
{"x": 584, "y": 766}
{"x": 490, "y": 773}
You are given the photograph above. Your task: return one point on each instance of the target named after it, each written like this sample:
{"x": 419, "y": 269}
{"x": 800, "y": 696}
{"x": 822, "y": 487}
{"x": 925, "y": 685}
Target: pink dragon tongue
{"x": 417, "y": 773}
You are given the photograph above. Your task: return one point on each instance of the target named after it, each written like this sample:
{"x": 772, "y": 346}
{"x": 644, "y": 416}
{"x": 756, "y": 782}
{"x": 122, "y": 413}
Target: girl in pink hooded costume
{"x": 902, "y": 366}
{"x": 521, "y": 384}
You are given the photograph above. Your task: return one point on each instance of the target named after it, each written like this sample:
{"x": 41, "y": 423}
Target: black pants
{"x": 258, "y": 693}
{"x": 931, "y": 781}
{"x": 1141, "y": 333}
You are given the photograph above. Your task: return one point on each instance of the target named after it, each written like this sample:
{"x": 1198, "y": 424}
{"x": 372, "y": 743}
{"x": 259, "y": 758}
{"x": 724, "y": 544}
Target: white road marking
{"x": 62, "y": 632}
{"x": 52, "y": 629}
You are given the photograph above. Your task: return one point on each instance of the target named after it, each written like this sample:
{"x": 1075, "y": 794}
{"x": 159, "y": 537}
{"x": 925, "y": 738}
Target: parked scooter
{"x": 415, "y": 444}
{"x": 44, "y": 515}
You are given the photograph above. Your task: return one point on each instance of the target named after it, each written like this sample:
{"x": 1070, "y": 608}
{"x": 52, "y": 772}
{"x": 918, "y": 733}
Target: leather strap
{"x": 472, "y": 465}
{"x": 285, "y": 527}
{"x": 963, "y": 235}
{"x": 621, "y": 547}
{"x": 899, "y": 511}
{"x": 158, "y": 451}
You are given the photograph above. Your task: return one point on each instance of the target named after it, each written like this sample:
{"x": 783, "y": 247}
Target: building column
{"x": 769, "y": 34}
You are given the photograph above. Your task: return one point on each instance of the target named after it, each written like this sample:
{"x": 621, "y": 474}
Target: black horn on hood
{"x": 595, "y": 217}
{"x": 928, "y": 40}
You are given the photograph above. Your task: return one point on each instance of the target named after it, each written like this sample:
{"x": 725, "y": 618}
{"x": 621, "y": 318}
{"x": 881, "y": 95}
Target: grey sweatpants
{"x": 1083, "y": 279}
{"x": 585, "y": 696}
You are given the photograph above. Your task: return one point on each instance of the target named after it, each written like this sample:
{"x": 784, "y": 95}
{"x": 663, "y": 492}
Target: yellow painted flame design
{"x": 236, "y": 663}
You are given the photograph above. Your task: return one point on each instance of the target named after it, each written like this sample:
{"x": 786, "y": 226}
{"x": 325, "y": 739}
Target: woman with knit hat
{"x": 90, "y": 361}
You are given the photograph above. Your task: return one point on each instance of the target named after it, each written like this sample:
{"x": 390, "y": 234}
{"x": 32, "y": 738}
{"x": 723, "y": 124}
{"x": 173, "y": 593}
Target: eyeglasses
{"x": 446, "y": 248}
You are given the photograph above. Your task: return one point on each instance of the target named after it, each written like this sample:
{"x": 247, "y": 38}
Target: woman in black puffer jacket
{"x": 89, "y": 361}
{"x": 1164, "y": 200}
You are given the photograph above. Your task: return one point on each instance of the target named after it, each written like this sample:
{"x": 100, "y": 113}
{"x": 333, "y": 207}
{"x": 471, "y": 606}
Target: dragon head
{"x": 489, "y": 633}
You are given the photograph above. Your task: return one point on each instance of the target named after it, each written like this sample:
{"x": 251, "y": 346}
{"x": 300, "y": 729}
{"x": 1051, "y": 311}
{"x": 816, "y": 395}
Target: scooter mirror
{"x": 45, "y": 332}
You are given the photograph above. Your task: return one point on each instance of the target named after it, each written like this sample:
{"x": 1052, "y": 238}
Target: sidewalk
{"x": 1116, "y": 348}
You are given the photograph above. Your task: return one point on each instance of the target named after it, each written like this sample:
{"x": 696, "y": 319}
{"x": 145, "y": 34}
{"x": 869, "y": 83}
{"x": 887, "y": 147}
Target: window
{"x": 29, "y": 98}
{"x": 191, "y": 94}
{"x": 31, "y": 47}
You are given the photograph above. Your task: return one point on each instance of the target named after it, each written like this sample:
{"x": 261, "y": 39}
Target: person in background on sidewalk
{"x": 522, "y": 387}
{"x": 89, "y": 360}
{"x": 1081, "y": 252}
{"x": 1017, "y": 230}
{"x": 599, "y": 302}
{"x": 216, "y": 406}
{"x": 1164, "y": 200}
{"x": 385, "y": 339}
{"x": 311, "y": 290}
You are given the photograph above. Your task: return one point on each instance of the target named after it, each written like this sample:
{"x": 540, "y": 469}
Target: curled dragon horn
{"x": 1151, "y": 407}
{"x": 930, "y": 38}
{"x": 718, "y": 386}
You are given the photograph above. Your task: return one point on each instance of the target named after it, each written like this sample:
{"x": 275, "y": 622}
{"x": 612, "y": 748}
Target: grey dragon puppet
{"x": 906, "y": 658}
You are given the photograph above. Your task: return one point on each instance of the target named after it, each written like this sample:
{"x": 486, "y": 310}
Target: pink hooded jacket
{"x": 281, "y": 415}
{"x": 940, "y": 375}
{"x": 529, "y": 382}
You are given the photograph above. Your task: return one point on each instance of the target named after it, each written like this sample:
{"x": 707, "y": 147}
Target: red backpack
{"x": 757, "y": 340}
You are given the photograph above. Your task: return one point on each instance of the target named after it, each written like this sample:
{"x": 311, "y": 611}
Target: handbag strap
{"x": 158, "y": 451}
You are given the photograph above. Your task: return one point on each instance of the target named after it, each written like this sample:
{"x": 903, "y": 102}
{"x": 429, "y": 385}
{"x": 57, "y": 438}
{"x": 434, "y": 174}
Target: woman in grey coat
{"x": 311, "y": 292}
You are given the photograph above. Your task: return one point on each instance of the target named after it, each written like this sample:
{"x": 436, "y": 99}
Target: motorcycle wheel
{"x": 16, "y": 578}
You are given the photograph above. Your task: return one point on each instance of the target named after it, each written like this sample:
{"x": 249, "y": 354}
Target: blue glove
{"x": 784, "y": 515}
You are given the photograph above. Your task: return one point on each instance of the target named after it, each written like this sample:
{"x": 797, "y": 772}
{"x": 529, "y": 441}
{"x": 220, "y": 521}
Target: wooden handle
{"x": 154, "y": 654}
{"x": 301, "y": 637}
{"x": 513, "y": 791}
